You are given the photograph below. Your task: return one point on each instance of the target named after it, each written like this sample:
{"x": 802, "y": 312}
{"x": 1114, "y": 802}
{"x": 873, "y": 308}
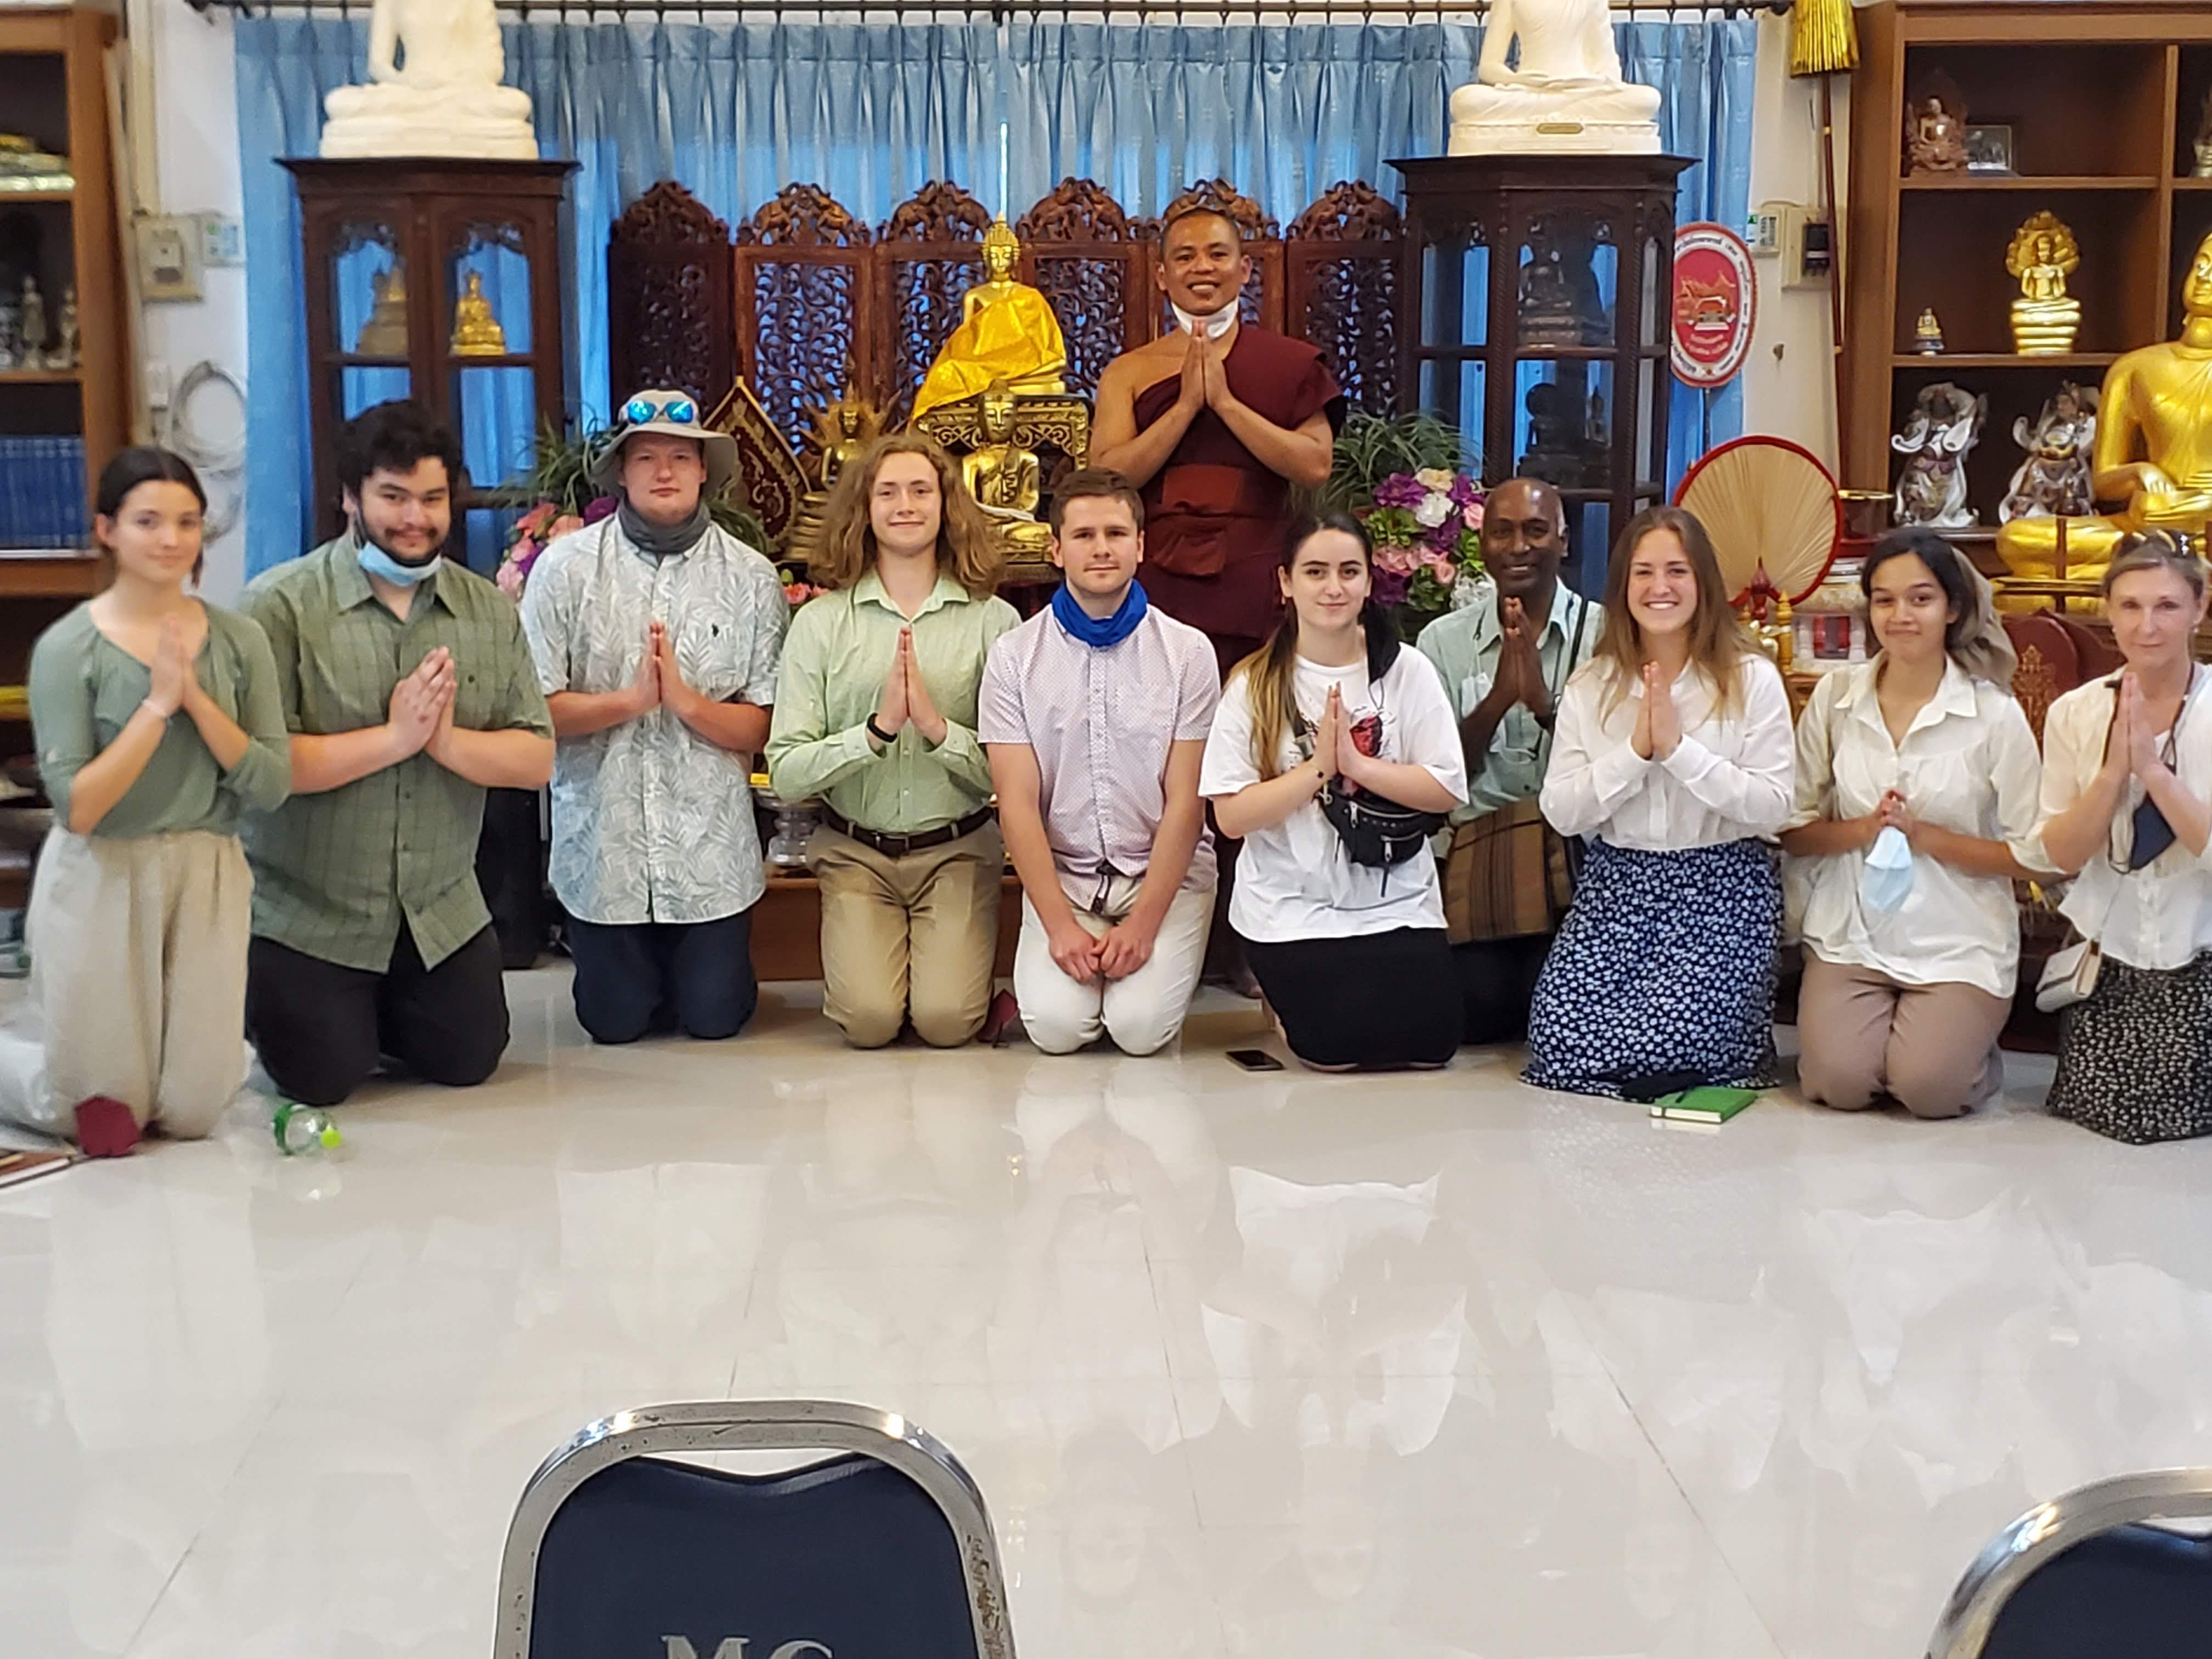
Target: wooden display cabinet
{"x": 2104, "y": 101}
{"x": 438, "y": 223}
{"x": 1473, "y": 350}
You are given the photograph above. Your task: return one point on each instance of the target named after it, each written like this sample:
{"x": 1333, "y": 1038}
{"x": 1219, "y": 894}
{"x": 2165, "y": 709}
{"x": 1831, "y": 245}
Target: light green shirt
{"x": 1465, "y": 646}
{"x": 335, "y": 873}
{"x": 84, "y": 689}
{"x": 835, "y": 659}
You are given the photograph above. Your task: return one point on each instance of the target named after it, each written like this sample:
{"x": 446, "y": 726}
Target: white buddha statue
{"x": 1566, "y": 94}
{"x": 444, "y": 98}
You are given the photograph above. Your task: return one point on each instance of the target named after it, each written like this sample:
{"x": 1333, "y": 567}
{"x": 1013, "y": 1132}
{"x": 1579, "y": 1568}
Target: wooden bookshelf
{"x": 2103, "y": 99}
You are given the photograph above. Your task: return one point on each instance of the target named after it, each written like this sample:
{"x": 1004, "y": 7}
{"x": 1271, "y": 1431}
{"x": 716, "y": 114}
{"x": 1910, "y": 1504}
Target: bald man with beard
{"x": 1505, "y": 660}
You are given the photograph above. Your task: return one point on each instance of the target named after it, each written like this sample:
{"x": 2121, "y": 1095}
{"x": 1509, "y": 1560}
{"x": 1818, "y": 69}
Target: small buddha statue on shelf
{"x": 1005, "y": 478}
{"x": 476, "y": 332}
{"x": 2045, "y": 318}
{"x": 32, "y": 322}
{"x": 2203, "y": 144}
{"x": 1545, "y": 309}
{"x": 843, "y": 440}
{"x": 68, "y": 344}
{"x": 1928, "y": 334}
{"x": 384, "y": 333}
{"x": 843, "y": 432}
{"x": 1007, "y": 332}
{"x": 1935, "y": 135}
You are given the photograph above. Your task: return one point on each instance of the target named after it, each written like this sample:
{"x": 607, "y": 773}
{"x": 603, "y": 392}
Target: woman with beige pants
{"x": 1912, "y": 940}
{"x": 158, "y": 725}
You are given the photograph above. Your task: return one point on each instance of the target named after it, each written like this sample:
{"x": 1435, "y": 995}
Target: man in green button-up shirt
{"x": 875, "y": 716}
{"x": 408, "y": 690}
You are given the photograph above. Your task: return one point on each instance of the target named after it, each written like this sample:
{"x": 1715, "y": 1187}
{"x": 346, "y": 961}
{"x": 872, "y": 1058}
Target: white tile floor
{"x": 1281, "y": 1365}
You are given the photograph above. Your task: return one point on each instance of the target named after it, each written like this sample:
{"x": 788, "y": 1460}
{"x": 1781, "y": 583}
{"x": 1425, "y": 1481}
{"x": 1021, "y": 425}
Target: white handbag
{"x": 2069, "y": 976}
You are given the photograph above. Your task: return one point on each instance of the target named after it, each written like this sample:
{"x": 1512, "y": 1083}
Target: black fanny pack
{"x": 1378, "y": 834}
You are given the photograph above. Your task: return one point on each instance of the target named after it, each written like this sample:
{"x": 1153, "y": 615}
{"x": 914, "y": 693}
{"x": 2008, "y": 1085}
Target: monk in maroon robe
{"x": 1213, "y": 423}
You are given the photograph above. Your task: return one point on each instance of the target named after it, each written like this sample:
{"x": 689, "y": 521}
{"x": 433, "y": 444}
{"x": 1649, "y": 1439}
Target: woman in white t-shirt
{"x": 1912, "y": 940}
{"x": 2127, "y": 775}
{"x": 1352, "y": 957}
{"x": 1672, "y": 756}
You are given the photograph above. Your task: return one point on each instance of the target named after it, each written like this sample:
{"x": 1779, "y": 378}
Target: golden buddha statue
{"x": 384, "y": 333}
{"x": 476, "y": 332}
{"x": 2045, "y": 318}
{"x": 1007, "y": 332}
{"x": 2154, "y": 450}
{"x": 1005, "y": 478}
{"x": 842, "y": 440}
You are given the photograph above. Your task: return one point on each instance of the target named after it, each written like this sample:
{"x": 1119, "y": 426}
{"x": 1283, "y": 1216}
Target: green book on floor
{"x": 1712, "y": 1104}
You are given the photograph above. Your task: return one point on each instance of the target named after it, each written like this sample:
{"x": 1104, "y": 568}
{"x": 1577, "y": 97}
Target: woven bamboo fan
{"x": 1773, "y": 512}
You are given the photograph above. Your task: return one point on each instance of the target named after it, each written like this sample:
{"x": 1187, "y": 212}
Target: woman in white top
{"x": 1352, "y": 957}
{"x": 2127, "y": 772}
{"x": 1673, "y": 756}
{"x": 1912, "y": 940}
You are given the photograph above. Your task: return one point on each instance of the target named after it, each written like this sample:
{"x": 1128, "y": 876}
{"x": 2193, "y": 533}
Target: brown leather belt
{"x": 897, "y": 847}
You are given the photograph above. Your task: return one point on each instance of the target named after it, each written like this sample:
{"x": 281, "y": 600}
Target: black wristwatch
{"x": 885, "y": 737}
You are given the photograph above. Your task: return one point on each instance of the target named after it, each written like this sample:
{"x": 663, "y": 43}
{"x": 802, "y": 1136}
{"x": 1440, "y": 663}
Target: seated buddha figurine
{"x": 1005, "y": 478}
{"x": 435, "y": 71}
{"x": 1565, "y": 91}
{"x": 2154, "y": 450}
{"x": 476, "y": 332}
{"x": 2045, "y": 318}
{"x": 1007, "y": 332}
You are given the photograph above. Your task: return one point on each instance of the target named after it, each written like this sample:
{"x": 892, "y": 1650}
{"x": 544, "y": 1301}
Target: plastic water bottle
{"x": 305, "y": 1131}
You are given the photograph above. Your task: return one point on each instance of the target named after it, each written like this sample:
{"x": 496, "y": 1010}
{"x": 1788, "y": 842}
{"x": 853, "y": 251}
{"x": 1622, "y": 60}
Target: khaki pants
{"x": 138, "y": 978}
{"x": 907, "y": 937}
{"x": 1932, "y": 1049}
{"x": 1143, "y": 1012}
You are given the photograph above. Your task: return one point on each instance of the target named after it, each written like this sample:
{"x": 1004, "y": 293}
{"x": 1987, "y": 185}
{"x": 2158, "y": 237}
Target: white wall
{"x": 1786, "y": 378}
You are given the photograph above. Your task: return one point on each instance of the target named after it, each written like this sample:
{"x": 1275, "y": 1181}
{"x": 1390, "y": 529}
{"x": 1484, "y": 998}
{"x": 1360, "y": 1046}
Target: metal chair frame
{"x": 2049, "y": 1529}
{"x": 776, "y": 1425}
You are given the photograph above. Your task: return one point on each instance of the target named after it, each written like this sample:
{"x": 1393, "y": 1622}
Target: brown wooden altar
{"x": 819, "y": 303}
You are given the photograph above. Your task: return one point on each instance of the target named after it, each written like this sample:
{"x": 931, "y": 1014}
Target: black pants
{"x": 696, "y": 977}
{"x": 1497, "y": 983}
{"x": 1376, "y": 1001}
{"x": 321, "y": 1029}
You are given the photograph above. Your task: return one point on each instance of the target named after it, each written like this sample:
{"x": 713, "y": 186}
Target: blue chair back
{"x": 884, "y": 1551}
{"x": 2089, "y": 1573}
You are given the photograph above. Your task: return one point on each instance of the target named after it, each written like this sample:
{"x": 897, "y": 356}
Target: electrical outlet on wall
{"x": 222, "y": 241}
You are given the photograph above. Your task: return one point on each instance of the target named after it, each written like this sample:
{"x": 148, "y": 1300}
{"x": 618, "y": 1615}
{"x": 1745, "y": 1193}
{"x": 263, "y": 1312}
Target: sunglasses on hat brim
{"x": 640, "y": 411}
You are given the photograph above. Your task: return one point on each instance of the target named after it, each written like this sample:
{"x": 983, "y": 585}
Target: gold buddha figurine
{"x": 1005, "y": 478}
{"x": 476, "y": 332}
{"x": 2154, "y": 449}
{"x": 842, "y": 440}
{"x": 2045, "y": 318}
{"x": 1928, "y": 334}
{"x": 1007, "y": 332}
{"x": 384, "y": 333}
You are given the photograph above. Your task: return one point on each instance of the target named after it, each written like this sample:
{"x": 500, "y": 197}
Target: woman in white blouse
{"x": 2127, "y": 774}
{"x": 1673, "y": 756}
{"x": 1912, "y": 940}
{"x": 1352, "y": 957}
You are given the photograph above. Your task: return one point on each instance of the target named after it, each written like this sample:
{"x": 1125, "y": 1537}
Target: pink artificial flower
{"x": 1471, "y": 515}
{"x": 564, "y": 524}
{"x": 509, "y": 580}
{"x": 1398, "y": 560}
{"x": 534, "y": 521}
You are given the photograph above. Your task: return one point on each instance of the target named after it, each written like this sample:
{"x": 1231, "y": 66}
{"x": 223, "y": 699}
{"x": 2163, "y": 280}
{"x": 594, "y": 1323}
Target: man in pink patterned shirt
{"x": 1095, "y": 714}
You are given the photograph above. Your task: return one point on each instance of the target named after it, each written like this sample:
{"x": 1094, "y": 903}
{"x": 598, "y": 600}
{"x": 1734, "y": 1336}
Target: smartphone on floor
{"x": 1256, "y": 1059}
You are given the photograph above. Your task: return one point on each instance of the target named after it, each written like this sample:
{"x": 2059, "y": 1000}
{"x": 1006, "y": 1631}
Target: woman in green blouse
{"x": 158, "y": 727}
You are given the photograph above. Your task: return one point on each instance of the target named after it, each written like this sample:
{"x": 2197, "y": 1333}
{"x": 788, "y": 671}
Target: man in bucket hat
{"x": 657, "y": 635}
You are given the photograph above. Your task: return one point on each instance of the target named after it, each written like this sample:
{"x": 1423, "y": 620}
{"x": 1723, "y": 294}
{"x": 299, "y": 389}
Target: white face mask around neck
{"x": 1213, "y": 327}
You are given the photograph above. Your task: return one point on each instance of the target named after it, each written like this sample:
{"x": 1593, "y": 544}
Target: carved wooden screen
{"x": 670, "y": 298}
{"x": 1262, "y": 300}
{"x": 928, "y": 254}
{"x": 803, "y": 282}
{"x": 1340, "y": 290}
{"x": 1084, "y": 254}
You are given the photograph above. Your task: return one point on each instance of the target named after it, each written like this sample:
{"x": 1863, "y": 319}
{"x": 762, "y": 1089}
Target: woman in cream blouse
{"x": 1912, "y": 940}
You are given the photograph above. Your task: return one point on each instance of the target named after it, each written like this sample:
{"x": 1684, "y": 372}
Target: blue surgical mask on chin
{"x": 1885, "y": 878}
{"x": 382, "y": 565}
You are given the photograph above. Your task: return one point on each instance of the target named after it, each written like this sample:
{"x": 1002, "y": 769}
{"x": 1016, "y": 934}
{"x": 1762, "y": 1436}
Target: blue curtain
{"x": 735, "y": 110}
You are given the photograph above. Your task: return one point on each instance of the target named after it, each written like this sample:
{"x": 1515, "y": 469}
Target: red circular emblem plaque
{"x": 1716, "y": 304}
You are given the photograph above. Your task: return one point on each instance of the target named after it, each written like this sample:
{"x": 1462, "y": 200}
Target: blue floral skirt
{"x": 1663, "y": 969}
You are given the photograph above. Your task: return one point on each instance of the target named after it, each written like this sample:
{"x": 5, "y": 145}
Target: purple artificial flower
{"x": 599, "y": 509}
{"x": 1400, "y": 490}
{"x": 1389, "y": 588}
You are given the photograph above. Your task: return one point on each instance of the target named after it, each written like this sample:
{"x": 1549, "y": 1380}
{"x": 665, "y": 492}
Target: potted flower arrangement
{"x": 558, "y": 492}
{"x": 1410, "y": 480}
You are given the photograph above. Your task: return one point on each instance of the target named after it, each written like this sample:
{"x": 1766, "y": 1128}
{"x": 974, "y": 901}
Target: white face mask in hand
{"x": 1887, "y": 878}
{"x": 1213, "y": 327}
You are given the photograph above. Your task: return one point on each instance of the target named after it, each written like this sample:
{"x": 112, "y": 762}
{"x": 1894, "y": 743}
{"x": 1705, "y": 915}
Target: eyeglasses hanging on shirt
{"x": 2149, "y": 834}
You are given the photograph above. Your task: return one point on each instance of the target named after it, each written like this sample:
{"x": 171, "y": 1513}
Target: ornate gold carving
{"x": 773, "y": 483}
{"x": 2035, "y": 686}
{"x": 1060, "y": 424}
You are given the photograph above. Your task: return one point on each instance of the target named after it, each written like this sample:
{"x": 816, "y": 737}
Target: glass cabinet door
{"x": 492, "y": 366}
{"x": 371, "y": 308}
